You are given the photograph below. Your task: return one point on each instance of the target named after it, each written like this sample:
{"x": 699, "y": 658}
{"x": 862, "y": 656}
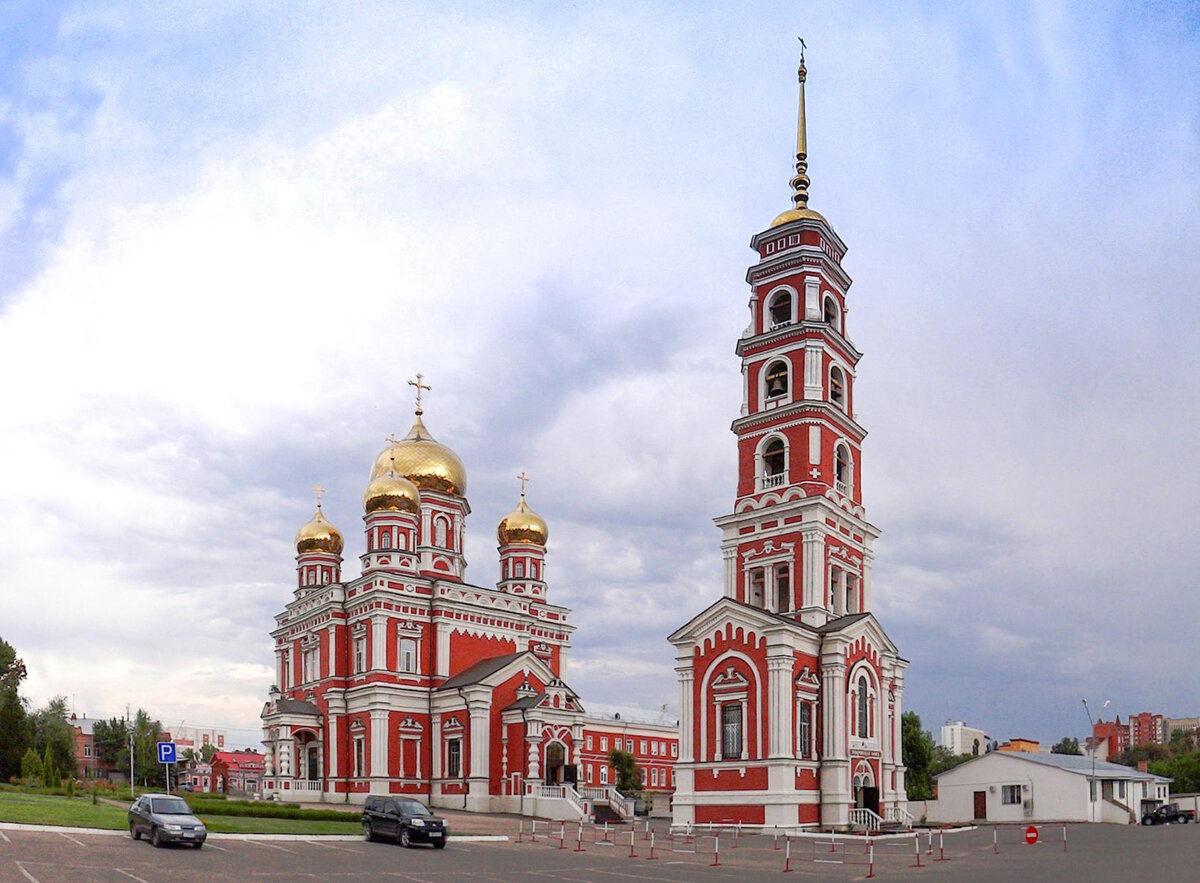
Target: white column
{"x": 379, "y": 746}
{"x": 687, "y": 723}
{"x": 812, "y": 299}
{"x": 435, "y": 746}
{"x": 378, "y": 642}
{"x": 729, "y": 554}
{"x": 479, "y": 705}
{"x": 812, "y": 569}
{"x": 779, "y": 707}
{"x": 814, "y": 368}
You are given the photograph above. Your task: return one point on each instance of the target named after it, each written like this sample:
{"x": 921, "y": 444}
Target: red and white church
{"x": 789, "y": 689}
{"x": 409, "y": 680}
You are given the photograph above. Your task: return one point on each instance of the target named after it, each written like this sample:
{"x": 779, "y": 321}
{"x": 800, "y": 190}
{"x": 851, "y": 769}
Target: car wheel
{"x": 199, "y": 845}
{"x": 440, "y": 844}
{"x": 368, "y": 832}
{"x": 155, "y": 839}
{"x": 134, "y": 832}
{"x": 405, "y": 840}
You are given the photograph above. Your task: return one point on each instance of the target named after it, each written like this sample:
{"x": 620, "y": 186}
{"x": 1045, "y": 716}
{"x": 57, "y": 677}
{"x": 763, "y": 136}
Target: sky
{"x": 231, "y": 232}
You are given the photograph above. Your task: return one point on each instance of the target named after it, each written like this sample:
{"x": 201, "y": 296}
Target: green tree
{"x": 917, "y": 747}
{"x": 51, "y": 777}
{"x": 146, "y": 731}
{"x": 1066, "y": 745}
{"x": 31, "y": 766}
{"x": 629, "y": 774}
{"x": 207, "y": 752}
{"x": 54, "y": 737}
{"x": 14, "y": 727}
{"x": 110, "y": 741}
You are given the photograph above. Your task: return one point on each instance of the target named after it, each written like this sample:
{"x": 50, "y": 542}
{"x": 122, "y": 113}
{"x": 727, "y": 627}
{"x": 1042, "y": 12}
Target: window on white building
{"x": 1120, "y": 789}
{"x": 863, "y": 731}
{"x": 454, "y": 758}
{"x": 360, "y": 654}
{"x": 731, "y": 731}
{"x": 805, "y": 736}
{"x": 408, "y": 654}
{"x": 1010, "y": 794}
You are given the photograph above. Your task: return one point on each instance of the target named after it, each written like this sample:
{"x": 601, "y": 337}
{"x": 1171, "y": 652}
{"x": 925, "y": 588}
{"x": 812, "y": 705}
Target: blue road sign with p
{"x": 166, "y": 752}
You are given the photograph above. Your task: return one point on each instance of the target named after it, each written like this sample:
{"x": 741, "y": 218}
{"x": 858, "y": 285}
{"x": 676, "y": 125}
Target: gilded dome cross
{"x": 320, "y": 492}
{"x": 523, "y": 478}
{"x": 420, "y": 386}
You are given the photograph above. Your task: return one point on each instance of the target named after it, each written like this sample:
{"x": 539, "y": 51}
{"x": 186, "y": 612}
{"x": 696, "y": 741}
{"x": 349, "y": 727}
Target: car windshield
{"x": 170, "y": 806}
{"x": 413, "y": 808}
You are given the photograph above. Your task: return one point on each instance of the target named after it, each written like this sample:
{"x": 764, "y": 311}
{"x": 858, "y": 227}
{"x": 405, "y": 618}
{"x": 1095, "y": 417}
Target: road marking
{"x": 271, "y": 846}
{"x": 72, "y": 839}
{"x": 28, "y": 876}
{"x": 4, "y": 837}
{"x": 129, "y": 875}
{"x": 214, "y": 846}
{"x": 330, "y": 846}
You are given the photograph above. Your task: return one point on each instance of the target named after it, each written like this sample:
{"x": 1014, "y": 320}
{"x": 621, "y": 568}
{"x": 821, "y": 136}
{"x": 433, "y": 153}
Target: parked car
{"x": 165, "y": 818}
{"x": 404, "y": 819}
{"x": 1169, "y": 815}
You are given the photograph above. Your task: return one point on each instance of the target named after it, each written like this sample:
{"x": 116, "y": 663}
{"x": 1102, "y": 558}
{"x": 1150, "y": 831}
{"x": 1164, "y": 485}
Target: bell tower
{"x": 798, "y": 542}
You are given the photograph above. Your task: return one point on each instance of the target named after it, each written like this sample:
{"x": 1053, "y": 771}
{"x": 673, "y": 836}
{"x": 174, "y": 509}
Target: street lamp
{"x": 1092, "y": 750}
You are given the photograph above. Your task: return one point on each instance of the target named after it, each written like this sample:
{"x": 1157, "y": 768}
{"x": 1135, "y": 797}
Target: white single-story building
{"x": 1027, "y": 787}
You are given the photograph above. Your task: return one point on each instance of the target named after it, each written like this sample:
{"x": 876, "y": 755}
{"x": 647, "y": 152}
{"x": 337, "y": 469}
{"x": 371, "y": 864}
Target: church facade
{"x": 408, "y": 680}
{"x": 790, "y": 691}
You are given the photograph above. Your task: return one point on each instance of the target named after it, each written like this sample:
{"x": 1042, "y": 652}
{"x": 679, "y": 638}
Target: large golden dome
{"x": 318, "y": 535}
{"x": 391, "y": 491}
{"x": 522, "y": 525}
{"x": 423, "y": 461}
{"x": 797, "y": 214}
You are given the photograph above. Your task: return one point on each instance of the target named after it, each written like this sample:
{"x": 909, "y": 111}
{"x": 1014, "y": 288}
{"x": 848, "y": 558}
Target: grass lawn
{"x": 80, "y": 812}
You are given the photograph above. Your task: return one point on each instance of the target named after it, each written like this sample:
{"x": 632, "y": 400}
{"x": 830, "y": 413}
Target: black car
{"x": 165, "y": 818}
{"x": 1168, "y": 815}
{"x": 403, "y": 819}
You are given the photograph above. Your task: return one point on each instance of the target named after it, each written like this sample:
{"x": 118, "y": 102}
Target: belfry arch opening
{"x": 774, "y": 459}
{"x": 843, "y": 470}
{"x": 837, "y": 387}
{"x": 776, "y": 382}
{"x": 831, "y": 314}
{"x": 779, "y": 313}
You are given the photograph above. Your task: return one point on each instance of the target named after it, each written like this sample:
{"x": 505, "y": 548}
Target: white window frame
{"x": 451, "y": 773}
{"x": 407, "y": 651}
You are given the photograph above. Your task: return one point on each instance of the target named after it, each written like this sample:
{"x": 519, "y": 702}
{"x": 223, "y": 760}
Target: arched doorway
{"x": 866, "y": 793}
{"x": 556, "y": 759}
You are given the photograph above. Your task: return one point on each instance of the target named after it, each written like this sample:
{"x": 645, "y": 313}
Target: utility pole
{"x": 129, "y": 728}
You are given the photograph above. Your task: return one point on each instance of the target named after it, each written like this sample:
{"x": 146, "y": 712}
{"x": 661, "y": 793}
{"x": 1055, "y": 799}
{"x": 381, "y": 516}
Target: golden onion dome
{"x": 391, "y": 491}
{"x": 318, "y": 535}
{"x": 522, "y": 525}
{"x": 423, "y": 461}
{"x": 798, "y": 214}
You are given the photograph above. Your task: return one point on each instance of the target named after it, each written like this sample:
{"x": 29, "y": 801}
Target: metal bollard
{"x": 870, "y": 859}
{"x": 579, "y": 838}
{"x": 942, "y": 847}
{"x": 787, "y": 853}
{"x": 1064, "y": 838}
{"x": 632, "y": 836}
{"x": 917, "y": 844}
{"x": 652, "y": 855}
{"x": 562, "y": 835}
{"x": 520, "y": 827}
{"x": 995, "y": 842}
{"x": 716, "y": 850}
{"x": 775, "y": 839}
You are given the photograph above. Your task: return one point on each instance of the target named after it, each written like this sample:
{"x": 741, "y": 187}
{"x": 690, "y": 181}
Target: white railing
{"x": 865, "y": 818}
{"x": 608, "y": 794}
{"x": 899, "y": 815}
{"x": 308, "y": 785}
{"x": 774, "y": 480}
{"x": 842, "y": 488}
{"x": 556, "y": 792}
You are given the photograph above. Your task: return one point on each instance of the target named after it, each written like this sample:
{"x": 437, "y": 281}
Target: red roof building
{"x": 236, "y": 771}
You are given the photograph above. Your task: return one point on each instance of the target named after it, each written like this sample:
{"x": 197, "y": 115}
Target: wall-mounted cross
{"x": 523, "y": 478}
{"x": 420, "y": 386}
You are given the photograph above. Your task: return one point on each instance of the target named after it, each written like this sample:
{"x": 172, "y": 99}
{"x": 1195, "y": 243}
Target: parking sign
{"x": 166, "y": 752}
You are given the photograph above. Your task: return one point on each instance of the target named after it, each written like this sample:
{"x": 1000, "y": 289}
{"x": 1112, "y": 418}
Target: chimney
{"x": 1143, "y": 766}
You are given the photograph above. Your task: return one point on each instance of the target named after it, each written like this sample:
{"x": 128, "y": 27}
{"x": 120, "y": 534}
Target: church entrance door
{"x": 556, "y": 755}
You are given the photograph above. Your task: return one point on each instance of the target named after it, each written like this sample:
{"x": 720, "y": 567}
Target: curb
{"x": 107, "y": 832}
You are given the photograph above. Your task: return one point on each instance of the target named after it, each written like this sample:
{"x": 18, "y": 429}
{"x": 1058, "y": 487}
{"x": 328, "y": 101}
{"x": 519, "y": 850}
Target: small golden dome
{"x": 423, "y": 461}
{"x": 798, "y": 214}
{"x": 391, "y": 491}
{"x": 522, "y": 525}
{"x": 318, "y": 535}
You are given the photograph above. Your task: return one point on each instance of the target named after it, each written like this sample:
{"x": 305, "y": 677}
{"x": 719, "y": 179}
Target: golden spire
{"x": 420, "y": 386}
{"x": 800, "y": 182}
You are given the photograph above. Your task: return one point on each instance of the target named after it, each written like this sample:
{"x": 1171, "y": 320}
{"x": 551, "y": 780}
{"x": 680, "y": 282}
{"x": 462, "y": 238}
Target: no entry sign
{"x": 1031, "y": 835}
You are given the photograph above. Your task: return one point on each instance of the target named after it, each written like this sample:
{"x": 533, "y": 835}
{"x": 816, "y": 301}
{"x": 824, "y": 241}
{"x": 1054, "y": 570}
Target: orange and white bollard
{"x": 652, "y": 855}
{"x": 1064, "y": 838}
{"x": 775, "y": 839}
{"x": 606, "y": 831}
{"x": 579, "y": 838}
{"x": 562, "y": 835}
{"x": 995, "y": 842}
{"x": 917, "y": 844}
{"x": 716, "y": 850}
{"x": 632, "y": 837}
{"x": 870, "y": 859}
{"x": 942, "y": 847}
{"x": 787, "y": 853}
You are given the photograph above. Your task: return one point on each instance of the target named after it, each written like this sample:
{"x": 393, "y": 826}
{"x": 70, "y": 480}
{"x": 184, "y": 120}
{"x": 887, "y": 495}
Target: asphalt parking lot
{"x": 1094, "y": 853}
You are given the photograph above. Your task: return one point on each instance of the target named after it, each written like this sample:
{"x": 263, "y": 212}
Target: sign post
{"x": 1031, "y": 835}
{"x": 166, "y": 756}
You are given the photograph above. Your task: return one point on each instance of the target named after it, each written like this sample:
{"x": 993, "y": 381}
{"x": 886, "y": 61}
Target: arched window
{"x": 439, "y": 533}
{"x": 833, "y": 315}
{"x": 783, "y": 588}
{"x": 843, "y": 470}
{"x": 775, "y": 386}
{"x": 533, "y": 570}
{"x": 805, "y": 734}
{"x": 402, "y": 540}
{"x": 774, "y": 459}
{"x": 731, "y": 730}
{"x": 837, "y": 387}
{"x": 862, "y": 707}
{"x": 780, "y": 312}
{"x": 385, "y": 539}
{"x": 519, "y": 569}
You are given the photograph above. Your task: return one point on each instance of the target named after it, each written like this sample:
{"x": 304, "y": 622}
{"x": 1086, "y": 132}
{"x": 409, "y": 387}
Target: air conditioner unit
{"x": 992, "y": 789}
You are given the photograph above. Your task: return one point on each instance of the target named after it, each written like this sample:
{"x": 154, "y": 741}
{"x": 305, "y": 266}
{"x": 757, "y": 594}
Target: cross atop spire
{"x": 320, "y": 492}
{"x": 801, "y": 181}
{"x": 523, "y": 478}
{"x": 420, "y": 386}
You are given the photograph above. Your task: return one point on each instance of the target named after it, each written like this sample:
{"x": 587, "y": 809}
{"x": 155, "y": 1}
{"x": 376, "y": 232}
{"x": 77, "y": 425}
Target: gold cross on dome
{"x": 523, "y": 478}
{"x": 392, "y": 440}
{"x": 320, "y": 492}
{"x": 420, "y": 386}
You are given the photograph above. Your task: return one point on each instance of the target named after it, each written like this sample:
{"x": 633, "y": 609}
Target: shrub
{"x": 31, "y": 766}
{"x": 71, "y": 787}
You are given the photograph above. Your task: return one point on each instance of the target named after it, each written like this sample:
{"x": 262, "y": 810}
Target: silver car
{"x": 165, "y": 818}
